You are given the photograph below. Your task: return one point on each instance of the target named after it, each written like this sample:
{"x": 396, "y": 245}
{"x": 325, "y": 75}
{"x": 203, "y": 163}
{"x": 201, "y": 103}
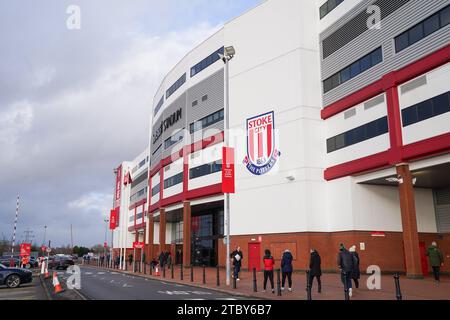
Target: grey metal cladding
{"x": 138, "y": 187}
{"x": 179, "y": 103}
{"x": 401, "y": 20}
{"x": 213, "y": 86}
{"x": 155, "y": 143}
{"x": 357, "y": 26}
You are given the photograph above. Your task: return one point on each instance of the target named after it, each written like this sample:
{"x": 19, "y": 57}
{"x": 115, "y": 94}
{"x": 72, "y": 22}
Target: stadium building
{"x": 339, "y": 116}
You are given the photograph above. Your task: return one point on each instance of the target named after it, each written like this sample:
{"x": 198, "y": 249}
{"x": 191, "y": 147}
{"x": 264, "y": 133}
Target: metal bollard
{"x": 255, "y": 288}
{"x": 398, "y": 292}
{"x": 151, "y": 269}
{"x": 308, "y": 286}
{"x": 145, "y": 268}
{"x": 204, "y": 274}
{"x": 346, "y": 294}
{"x": 192, "y": 273}
{"x": 218, "y": 276}
{"x": 278, "y": 283}
{"x": 181, "y": 271}
{"x": 164, "y": 271}
{"x": 234, "y": 282}
{"x": 171, "y": 271}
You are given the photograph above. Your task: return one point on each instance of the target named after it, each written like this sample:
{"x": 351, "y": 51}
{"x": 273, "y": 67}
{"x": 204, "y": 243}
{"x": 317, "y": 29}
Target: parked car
{"x": 6, "y": 261}
{"x": 14, "y": 277}
{"x": 60, "y": 262}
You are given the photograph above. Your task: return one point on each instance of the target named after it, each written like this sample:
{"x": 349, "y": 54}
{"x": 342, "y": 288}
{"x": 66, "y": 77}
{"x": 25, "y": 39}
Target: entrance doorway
{"x": 423, "y": 258}
{"x": 254, "y": 256}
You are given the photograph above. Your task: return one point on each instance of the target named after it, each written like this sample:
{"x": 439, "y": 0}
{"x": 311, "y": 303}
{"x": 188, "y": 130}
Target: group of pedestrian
{"x": 165, "y": 259}
{"x": 348, "y": 264}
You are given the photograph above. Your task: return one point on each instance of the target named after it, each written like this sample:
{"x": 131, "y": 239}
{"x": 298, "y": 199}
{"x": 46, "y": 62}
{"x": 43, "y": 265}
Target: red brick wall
{"x": 386, "y": 252}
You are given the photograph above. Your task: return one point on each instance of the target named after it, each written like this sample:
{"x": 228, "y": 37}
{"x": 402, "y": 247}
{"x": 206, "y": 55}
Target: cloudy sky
{"x": 70, "y": 101}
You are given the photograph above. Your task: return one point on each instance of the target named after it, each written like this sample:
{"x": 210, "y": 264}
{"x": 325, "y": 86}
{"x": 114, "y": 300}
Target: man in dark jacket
{"x": 345, "y": 264}
{"x": 161, "y": 259}
{"x": 286, "y": 269}
{"x": 236, "y": 259}
{"x": 315, "y": 269}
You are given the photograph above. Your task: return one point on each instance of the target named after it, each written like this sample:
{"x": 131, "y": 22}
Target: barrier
{"x": 398, "y": 292}
{"x": 278, "y": 283}
{"x": 255, "y": 288}
{"x": 204, "y": 274}
{"x": 218, "y": 277}
{"x": 308, "y": 286}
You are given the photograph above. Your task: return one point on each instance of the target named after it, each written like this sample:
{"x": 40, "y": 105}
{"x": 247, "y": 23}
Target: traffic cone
{"x": 42, "y": 265}
{"x": 46, "y": 275}
{"x": 157, "y": 271}
{"x": 56, "y": 283}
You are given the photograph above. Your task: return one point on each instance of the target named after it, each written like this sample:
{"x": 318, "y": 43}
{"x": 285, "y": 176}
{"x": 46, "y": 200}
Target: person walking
{"x": 236, "y": 259}
{"x": 269, "y": 262}
{"x": 315, "y": 269}
{"x": 345, "y": 264}
{"x": 356, "y": 273}
{"x": 161, "y": 259}
{"x": 130, "y": 259}
{"x": 169, "y": 260}
{"x": 286, "y": 269}
{"x": 436, "y": 260}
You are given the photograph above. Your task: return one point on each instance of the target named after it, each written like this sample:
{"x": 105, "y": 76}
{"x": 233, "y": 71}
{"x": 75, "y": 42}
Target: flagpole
{"x": 14, "y": 233}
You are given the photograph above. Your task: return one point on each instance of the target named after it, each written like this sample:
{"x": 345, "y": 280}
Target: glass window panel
{"x": 355, "y": 69}
{"x": 441, "y": 104}
{"x": 425, "y": 110}
{"x": 327, "y": 85}
{"x": 324, "y": 10}
{"x": 416, "y": 34}
{"x": 366, "y": 63}
{"x": 331, "y": 145}
{"x": 340, "y": 141}
{"x": 382, "y": 126}
{"x": 345, "y": 75}
{"x": 445, "y": 16}
{"x": 371, "y": 130}
{"x": 377, "y": 57}
{"x": 431, "y": 25}
{"x": 336, "y": 80}
{"x": 401, "y": 42}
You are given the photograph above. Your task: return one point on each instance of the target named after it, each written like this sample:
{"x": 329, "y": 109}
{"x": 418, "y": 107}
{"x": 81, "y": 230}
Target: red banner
{"x": 228, "y": 170}
{"x": 43, "y": 248}
{"x": 118, "y": 193}
{"x": 105, "y": 244}
{"x": 138, "y": 245}
{"x": 25, "y": 249}
{"x": 113, "y": 219}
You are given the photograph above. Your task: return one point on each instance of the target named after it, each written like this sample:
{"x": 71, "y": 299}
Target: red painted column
{"x": 151, "y": 236}
{"x": 162, "y": 229}
{"x": 186, "y": 233}
{"x": 409, "y": 223}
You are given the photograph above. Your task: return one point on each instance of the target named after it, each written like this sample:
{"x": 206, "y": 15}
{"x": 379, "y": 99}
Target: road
{"x": 28, "y": 291}
{"x": 99, "y": 284}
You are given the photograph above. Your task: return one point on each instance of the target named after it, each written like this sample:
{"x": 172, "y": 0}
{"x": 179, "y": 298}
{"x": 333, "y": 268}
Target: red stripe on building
{"x": 251, "y": 144}
{"x": 269, "y": 140}
{"x": 260, "y": 145}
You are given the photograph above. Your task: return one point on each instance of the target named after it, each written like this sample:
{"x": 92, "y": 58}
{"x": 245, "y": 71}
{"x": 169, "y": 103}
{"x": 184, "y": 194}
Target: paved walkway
{"x": 332, "y": 288}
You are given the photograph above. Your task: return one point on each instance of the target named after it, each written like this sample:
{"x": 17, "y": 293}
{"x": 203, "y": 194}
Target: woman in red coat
{"x": 269, "y": 262}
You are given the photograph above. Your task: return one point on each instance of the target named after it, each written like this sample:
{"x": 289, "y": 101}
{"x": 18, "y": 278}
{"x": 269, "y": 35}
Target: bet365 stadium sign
{"x": 262, "y": 154}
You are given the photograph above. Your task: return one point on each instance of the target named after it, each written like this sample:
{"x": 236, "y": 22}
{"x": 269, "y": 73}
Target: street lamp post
{"x": 106, "y": 239}
{"x": 226, "y": 57}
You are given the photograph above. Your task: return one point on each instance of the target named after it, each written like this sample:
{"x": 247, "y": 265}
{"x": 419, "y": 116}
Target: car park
{"x": 14, "y": 277}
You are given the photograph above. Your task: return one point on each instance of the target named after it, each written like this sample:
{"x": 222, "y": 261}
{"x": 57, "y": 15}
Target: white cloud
{"x": 93, "y": 201}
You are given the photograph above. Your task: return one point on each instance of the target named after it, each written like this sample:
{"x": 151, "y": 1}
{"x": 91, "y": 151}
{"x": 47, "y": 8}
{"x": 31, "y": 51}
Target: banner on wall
{"x": 228, "y": 184}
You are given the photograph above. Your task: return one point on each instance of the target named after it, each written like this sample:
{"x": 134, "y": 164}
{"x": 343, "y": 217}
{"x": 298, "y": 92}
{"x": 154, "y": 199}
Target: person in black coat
{"x": 236, "y": 258}
{"x": 315, "y": 269}
{"x": 286, "y": 269}
{"x": 345, "y": 264}
{"x": 356, "y": 273}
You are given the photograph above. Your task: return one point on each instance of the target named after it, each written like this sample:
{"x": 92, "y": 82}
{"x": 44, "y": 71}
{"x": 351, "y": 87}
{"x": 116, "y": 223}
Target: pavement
{"x": 99, "y": 284}
{"x": 332, "y": 288}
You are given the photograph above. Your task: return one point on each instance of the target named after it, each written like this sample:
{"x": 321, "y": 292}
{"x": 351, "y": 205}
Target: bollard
{"x": 278, "y": 283}
{"x": 151, "y": 269}
{"x": 218, "y": 276}
{"x": 192, "y": 273}
{"x": 308, "y": 286}
{"x": 255, "y": 289}
{"x": 398, "y": 292}
{"x": 171, "y": 271}
{"x": 145, "y": 268}
{"x": 181, "y": 271}
{"x": 204, "y": 274}
{"x": 164, "y": 271}
{"x": 346, "y": 294}
{"x": 234, "y": 282}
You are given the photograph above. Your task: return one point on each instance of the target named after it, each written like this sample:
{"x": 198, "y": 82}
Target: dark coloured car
{"x": 6, "y": 261}
{"x": 14, "y": 277}
{"x": 60, "y": 262}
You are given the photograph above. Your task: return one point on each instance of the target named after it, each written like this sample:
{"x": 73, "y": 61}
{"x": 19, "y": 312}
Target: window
{"x": 176, "y": 86}
{"x": 204, "y": 98}
{"x": 205, "y": 63}
{"x": 423, "y": 29}
{"x": 194, "y": 103}
{"x": 177, "y": 137}
{"x": 356, "y": 68}
{"x": 159, "y": 105}
{"x": 426, "y": 109}
{"x": 329, "y": 6}
{"x": 357, "y": 135}
{"x": 205, "y": 169}
{"x": 173, "y": 181}
{"x": 142, "y": 163}
{"x": 157, "y": 149}
{"x": 207, "y": 121}
{"x": 156, "y": 189}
